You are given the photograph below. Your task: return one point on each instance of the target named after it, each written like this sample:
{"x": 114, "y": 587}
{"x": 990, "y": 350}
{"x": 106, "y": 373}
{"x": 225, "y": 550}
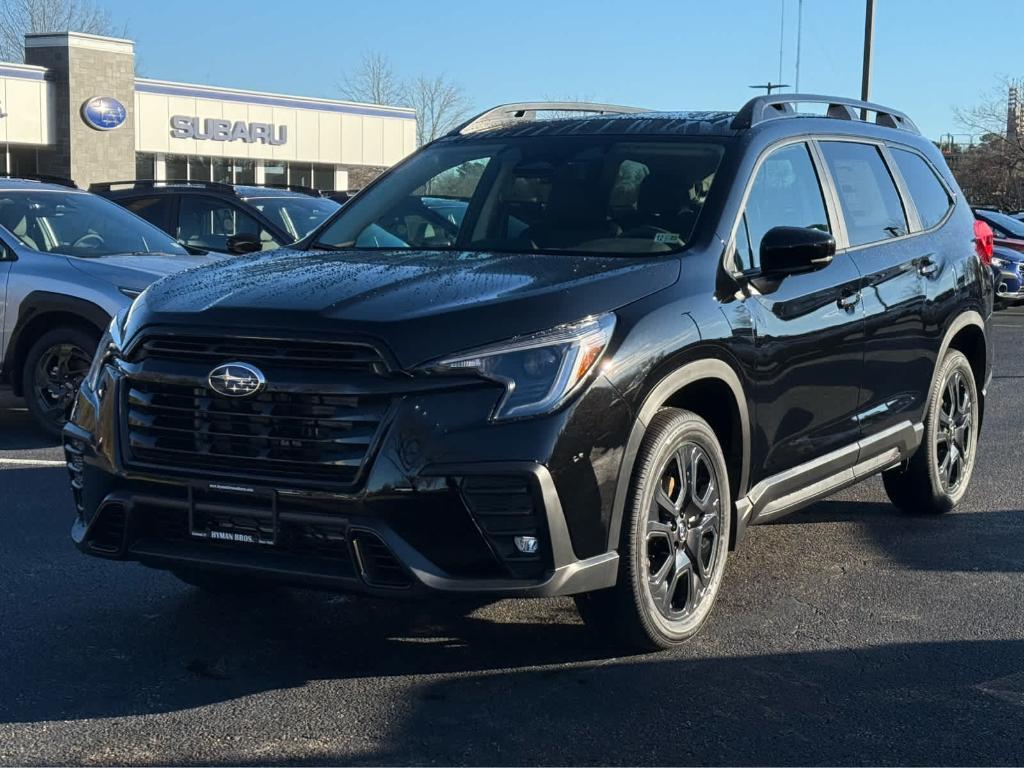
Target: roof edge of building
{"x": 79, "y": 40}
{"x": 216, "y": 91}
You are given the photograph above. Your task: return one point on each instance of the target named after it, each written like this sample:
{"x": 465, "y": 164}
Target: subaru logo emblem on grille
{"x": 236, "y": 380}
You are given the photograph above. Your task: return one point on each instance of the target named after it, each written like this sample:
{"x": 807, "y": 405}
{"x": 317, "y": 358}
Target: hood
{"x": 139, "y": 270}
{"x": 418, "y": 304}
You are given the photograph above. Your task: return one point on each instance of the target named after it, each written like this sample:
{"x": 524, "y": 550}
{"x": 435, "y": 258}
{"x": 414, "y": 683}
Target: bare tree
{"x": 373, "y": 82}
{"x": 19, "y": 17}
{"x": 991, "y": 171}
{"x": 440, "y": 105}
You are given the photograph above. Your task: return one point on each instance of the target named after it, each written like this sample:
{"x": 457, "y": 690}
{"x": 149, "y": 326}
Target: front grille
{"x": 271, "y": 434}
{"x": 322, "y": 355}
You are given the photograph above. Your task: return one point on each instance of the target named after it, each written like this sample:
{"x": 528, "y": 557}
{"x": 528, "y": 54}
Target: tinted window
{"x": 204, "y": 222}
{"x": 871, "y": 205}
{"x": 930, "y": 196}
{"x": 153, "y": 209}
{"x": 297, "y": 215}
{"x": 78, "y": 224}
{"x": 585, "y": 194}
{"x": 785, "y": 193}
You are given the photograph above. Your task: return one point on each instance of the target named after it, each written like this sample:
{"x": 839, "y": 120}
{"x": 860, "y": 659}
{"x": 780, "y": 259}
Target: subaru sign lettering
{"x": 214, "y": 129}
{"x": 104, "y": 113}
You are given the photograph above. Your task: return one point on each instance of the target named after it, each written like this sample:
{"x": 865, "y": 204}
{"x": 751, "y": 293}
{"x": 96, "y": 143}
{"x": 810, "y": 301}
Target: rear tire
{"x": 225, "y": 584}
{"x": 674, "y": 542}
{"x": 937, "y": 475}
{"x": 53, "y": 371}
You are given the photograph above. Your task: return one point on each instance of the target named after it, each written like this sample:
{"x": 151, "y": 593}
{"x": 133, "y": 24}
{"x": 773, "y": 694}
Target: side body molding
{"x": 699, "y": 370}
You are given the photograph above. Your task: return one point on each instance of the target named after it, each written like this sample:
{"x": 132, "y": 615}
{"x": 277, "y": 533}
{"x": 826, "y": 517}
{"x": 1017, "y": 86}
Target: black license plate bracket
{"x": 257, "y": 525}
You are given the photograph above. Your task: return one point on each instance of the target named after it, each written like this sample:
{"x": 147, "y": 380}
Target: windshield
{"x": 583, "y": 194}
{"x": 79, "y": 224}
{"x": 1013, "y": 227}
{"x": 296, "y": 215}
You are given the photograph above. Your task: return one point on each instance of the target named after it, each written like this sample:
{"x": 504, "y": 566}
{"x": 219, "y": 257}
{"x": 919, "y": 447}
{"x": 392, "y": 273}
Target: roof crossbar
{"x": 43, "y": 178}
{"x": 106, "y": 186}
{"x": 526, "y": 111}
{"x": 762, "y": 108}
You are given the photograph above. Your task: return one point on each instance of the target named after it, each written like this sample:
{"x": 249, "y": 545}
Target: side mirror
{"x": 791, "y": 250}
{"x": 244, "y": 242}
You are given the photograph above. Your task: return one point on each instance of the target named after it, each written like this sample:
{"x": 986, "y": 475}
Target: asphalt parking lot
{"x": 846, "y": 633}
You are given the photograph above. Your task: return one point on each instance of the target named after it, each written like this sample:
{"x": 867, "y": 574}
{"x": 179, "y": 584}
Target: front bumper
{"x": 438, "y": 519}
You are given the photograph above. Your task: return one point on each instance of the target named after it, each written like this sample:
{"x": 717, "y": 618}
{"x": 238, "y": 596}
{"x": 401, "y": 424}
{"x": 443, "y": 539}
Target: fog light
{"x": 528, "y": 545}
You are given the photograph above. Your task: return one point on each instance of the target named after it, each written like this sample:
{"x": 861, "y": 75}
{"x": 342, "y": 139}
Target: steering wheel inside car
{"x": 89, "y": 240}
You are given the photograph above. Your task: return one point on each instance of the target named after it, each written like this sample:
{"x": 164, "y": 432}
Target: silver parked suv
{"x": 69, "y": 260}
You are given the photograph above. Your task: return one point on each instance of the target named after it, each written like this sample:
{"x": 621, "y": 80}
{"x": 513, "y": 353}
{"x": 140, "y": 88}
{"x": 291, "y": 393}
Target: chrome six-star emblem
{"x": 236, "y": 380}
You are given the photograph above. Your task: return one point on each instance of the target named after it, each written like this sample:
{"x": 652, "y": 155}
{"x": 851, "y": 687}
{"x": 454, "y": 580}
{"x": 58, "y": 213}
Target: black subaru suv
{"x": 575, "y": 356}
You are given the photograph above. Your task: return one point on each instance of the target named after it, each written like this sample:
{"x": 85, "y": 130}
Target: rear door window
{"x": 156, "y": 210}
{"x": 870, "y": 203}
{"x": 930, "y": 196}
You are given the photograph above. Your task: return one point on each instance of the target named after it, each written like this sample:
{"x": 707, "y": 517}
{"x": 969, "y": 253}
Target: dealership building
{"x": 75, "y": 109}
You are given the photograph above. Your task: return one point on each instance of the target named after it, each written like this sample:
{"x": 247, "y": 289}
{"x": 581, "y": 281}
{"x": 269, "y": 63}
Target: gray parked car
{"x": 69, "y": 260}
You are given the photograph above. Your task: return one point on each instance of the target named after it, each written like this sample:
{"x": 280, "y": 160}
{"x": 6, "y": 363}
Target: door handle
{"x": 926, "y": 267}
{"x": 849, "y": 300}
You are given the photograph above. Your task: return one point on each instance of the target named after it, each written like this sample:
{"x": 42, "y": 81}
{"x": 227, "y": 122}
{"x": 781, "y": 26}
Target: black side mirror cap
{"x": 244, "y": 243}
{"x": 792, "y": 250}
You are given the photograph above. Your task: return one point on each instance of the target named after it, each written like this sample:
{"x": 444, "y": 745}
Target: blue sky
{"x": 662, "y": 54}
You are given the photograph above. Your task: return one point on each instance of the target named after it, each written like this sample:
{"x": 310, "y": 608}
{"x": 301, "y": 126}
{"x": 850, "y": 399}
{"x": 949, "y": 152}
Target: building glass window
{"x": 323, "y": 176}
{"x": 24, "y": 161}
{"x": 221, "y": 170}
{"x": 144, "y": 165}
{"x": 275, "y": 173}
{"x": 176, "y": 168}
{"x": 199, "y": 169}
{"x": 245, "y": 171}
{"x": 300, "y": 174}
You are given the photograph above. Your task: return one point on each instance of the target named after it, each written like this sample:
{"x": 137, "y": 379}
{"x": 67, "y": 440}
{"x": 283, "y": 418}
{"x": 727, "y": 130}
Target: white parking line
{"x": 32, "y": 462}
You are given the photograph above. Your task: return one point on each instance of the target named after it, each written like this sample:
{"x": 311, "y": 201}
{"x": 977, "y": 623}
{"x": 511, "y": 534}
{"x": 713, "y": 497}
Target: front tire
{"x": 53, "y": 371}
{"x": 937, "y": 475}
{"x": 675, "y": 538}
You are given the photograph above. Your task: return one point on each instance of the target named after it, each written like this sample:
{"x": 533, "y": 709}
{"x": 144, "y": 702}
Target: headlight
{"x": 109, "y": 346}
{"x": 538, "y": 371}
{"x": 1001, "y": 263}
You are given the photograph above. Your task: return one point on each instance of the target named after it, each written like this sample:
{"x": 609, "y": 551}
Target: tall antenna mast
{"x": 799, "y": 38}
{"x": 782, "y": 34}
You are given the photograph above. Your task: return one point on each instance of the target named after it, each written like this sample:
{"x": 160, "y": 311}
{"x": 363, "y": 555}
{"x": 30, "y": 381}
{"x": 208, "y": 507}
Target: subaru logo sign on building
{"x": 104, "y": 113}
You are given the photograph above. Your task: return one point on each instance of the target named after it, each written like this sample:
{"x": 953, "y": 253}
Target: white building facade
{"x": 76, "y": 110}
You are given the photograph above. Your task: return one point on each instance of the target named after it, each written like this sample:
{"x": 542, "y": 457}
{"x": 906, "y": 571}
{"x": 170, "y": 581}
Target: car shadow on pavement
{"x": 84, "y": 638}
{"x": 964, "y": 541}
{"x": 919, "y": 704}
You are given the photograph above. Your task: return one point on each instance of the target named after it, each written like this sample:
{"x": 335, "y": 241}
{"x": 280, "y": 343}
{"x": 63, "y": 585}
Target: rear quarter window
{"x": 931, "y": 198}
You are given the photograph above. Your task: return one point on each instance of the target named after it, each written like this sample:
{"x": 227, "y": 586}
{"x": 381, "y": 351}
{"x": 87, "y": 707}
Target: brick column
{"x": 82, "y": 67}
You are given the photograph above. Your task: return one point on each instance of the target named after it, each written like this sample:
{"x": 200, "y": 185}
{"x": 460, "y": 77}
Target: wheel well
{"x": 36, "y": 327}
{"x": 971, "y": 341}
{"x": 713, "y": 400}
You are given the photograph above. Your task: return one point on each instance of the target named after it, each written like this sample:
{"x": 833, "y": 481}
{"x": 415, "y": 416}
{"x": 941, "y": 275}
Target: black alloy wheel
{"x": 53, "y": 371}
{"x": 936, "y": 477}
{"x": 675, "y": 538}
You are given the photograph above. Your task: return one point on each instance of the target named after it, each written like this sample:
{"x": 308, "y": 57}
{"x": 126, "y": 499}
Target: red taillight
{"x": 983, "y": 241}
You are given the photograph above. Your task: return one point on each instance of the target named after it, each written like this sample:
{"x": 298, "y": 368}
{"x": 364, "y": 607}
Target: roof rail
{"x": 106, "y": 186}
{"x": 762, "y": 108}
{"x": 42, "y": 178}
{"x": 526, "y": 111}
{"x": 301, "y": 188}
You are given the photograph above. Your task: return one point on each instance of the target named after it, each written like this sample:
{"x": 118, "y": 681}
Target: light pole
{"x": 869, "y": 26}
